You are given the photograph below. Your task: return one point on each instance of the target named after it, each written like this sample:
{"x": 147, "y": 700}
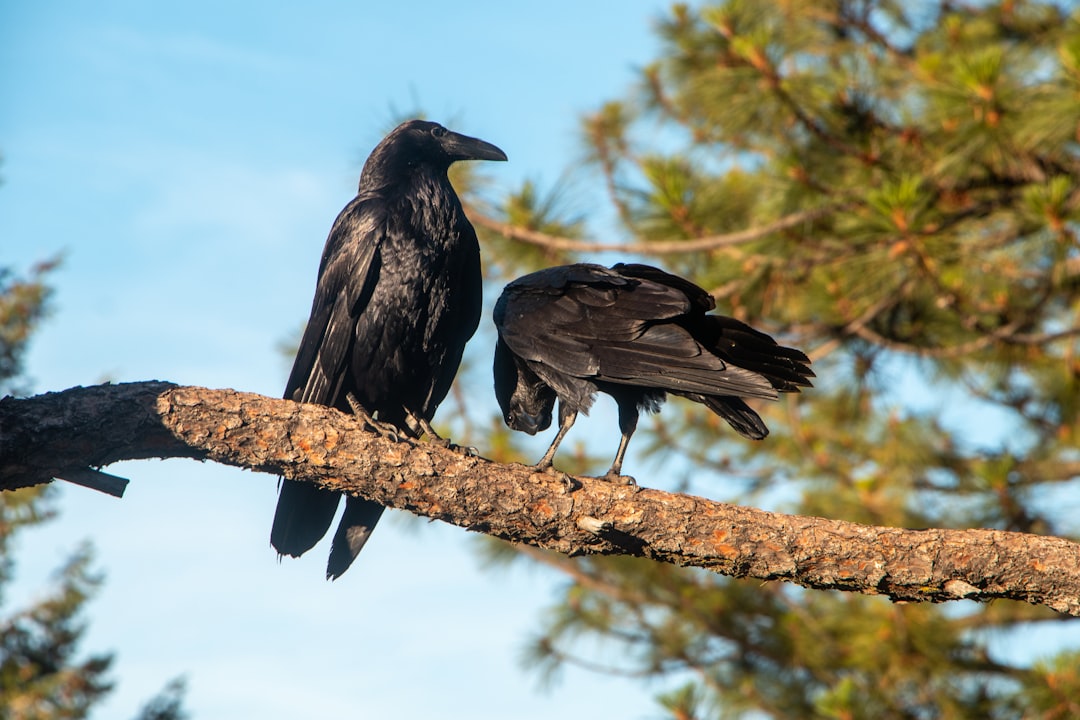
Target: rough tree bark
{"x": 66, "y": 434}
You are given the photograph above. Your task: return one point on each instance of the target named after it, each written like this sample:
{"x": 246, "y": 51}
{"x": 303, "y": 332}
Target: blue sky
{"x": 187, "y": 160}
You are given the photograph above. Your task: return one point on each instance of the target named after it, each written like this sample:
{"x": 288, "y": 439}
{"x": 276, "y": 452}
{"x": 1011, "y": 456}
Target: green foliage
{"x": 23, "y": 303}
{"x": 166, "y": 705}
{"x": 40, "y": 676}
{"x": 940, "y": 146}
{"x": 532, "y": 210}
{"x": 42, "y": 673}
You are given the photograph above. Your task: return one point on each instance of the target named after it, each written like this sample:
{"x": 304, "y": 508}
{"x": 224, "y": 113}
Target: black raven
{"x": 636, "y": 333}
{"x": 398, "y": 296}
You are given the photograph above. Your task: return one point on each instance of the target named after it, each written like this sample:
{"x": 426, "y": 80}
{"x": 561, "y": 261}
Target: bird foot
{"x": 382, "y": 429}
{"x": 569, "y": 482}
{"x": 466, "y": 450}
{"x": 435, "y": 438}
{"x": 618, "y": 478}
{"x": 422, "y": 425}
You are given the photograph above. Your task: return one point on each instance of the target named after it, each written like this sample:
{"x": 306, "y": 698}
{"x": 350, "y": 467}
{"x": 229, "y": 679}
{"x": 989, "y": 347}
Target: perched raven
{"x": 636, "y": 333}
{"x": 398, "y": 296}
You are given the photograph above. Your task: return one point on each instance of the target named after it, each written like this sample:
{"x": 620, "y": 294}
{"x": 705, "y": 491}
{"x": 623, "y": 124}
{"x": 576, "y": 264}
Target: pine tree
{"x": 23, "y": 304}
{"x": 895, "y": 188}
{"x": 42, "y": 676}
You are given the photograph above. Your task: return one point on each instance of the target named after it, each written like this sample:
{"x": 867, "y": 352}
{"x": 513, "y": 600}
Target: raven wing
{"x": 698, "y": 297}
{"x": 345, "y": 283}
{"x": 552, "y": 315}
{"x": 590, "y": 322}
{"x": 347, "y": 274}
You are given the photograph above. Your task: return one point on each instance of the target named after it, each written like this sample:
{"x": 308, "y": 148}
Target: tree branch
{"x": 49, "y": 435}
{"x": 652, "y": 247}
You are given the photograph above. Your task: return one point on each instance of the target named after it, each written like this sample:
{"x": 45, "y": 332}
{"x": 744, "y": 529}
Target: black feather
{"x": 397, "y": 298}
{"x": 636, "y": 333}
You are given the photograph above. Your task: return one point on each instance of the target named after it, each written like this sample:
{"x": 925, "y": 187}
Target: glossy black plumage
{"x": 636, "y": 333}
{"x": 397, "y": 298}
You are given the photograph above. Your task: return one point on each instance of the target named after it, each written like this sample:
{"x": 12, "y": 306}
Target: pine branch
{"x": 651, "y": 247}
{"x": 45, "y": 436}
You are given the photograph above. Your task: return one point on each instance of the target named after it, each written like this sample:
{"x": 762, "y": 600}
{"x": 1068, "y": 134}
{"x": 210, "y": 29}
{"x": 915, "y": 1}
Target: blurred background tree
{"x": 42, "y": 676}
{"x": 904, "y": 181}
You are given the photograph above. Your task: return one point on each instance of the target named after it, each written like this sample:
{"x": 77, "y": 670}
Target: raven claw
{"x": 382, "y": 429}
{"x": 619, "y": 479}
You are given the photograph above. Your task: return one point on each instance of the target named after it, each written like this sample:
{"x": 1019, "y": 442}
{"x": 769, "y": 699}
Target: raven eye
{"x": 438, "y": 131}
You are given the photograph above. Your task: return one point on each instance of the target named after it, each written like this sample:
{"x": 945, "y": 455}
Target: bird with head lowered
{"x": 636, "y": 333}
{"x": 398, "y": 295}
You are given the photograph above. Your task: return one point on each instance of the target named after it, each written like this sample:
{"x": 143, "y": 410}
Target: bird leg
{"x": 614, "y": 473}
{"x": 566, "y": 421}
{"x": 382, "y": 429}
{"x": 628, "y": 419}
{"x": 421, "y": 425}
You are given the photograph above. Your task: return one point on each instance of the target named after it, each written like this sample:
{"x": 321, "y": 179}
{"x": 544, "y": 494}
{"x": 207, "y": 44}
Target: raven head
{"x": 419, "y": 143}
{"x": 525, "y": 400}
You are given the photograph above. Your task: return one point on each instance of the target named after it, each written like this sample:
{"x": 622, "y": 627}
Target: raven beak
{"x": 463, "y": 147}
{"x": 525, "y": 422}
